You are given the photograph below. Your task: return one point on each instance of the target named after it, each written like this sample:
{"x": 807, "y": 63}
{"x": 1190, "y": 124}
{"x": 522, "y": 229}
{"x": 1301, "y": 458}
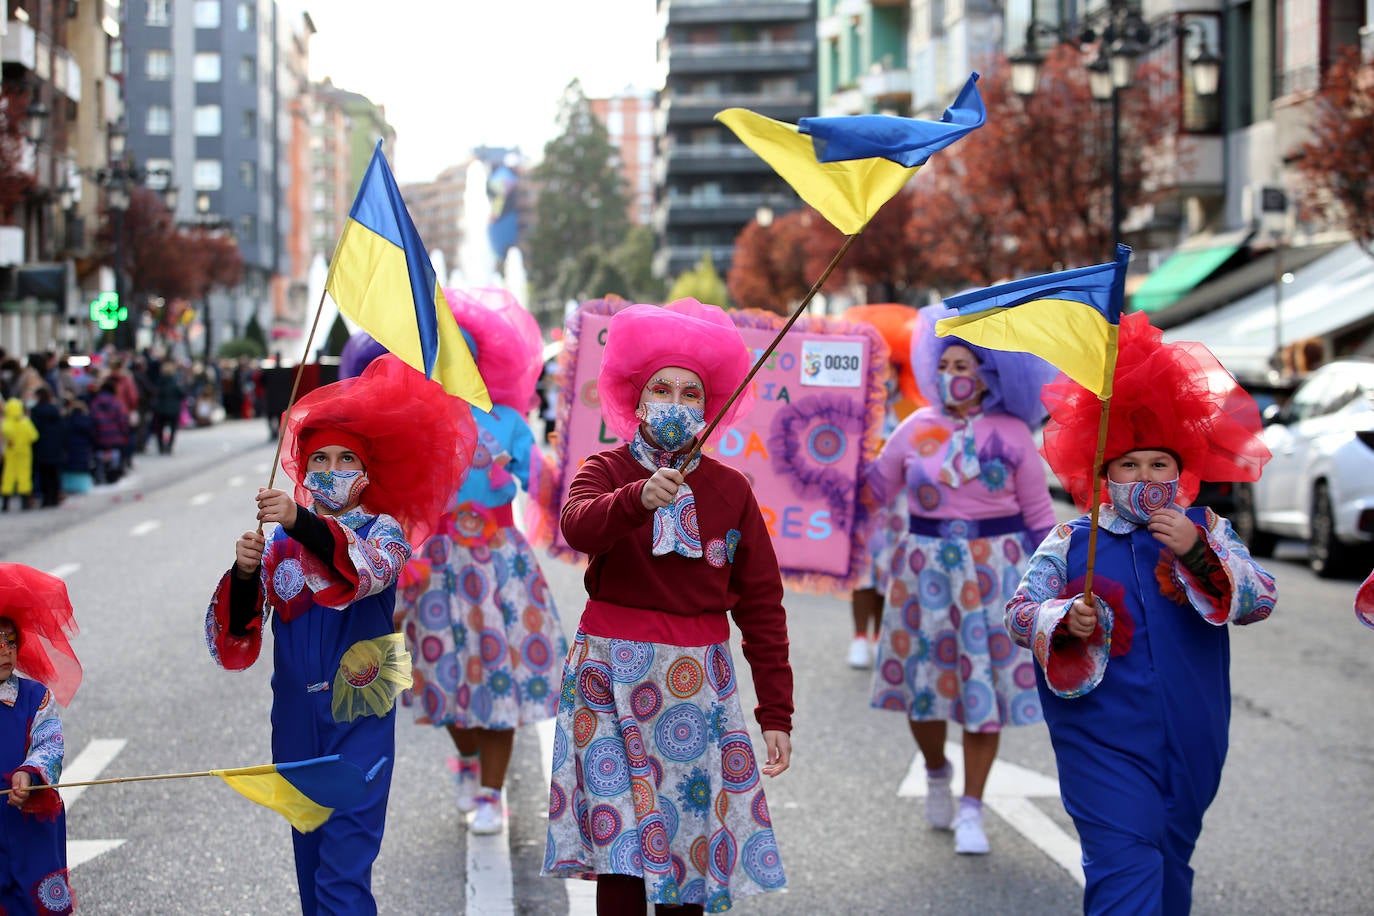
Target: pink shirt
{"x": 1011, "y": 479}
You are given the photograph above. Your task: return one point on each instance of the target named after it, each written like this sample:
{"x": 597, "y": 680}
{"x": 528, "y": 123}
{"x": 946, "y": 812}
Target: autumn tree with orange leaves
{"x": 15, "y": 182}
{"x": 1337, "y": 164}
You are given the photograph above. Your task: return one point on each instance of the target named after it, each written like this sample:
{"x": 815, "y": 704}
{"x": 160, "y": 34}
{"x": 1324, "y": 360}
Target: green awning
{"x": 1177, "y": 276}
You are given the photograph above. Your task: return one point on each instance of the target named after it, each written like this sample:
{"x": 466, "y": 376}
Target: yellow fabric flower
{"x": 372, "y": 674}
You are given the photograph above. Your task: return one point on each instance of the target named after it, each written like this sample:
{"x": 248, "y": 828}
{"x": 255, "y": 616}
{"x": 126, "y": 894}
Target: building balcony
{"x": 844, "y": 102}
{"x": 741, "y": 57}
{"x": 724, "y": 210}
{"x": 19, "y": 45}
{"x": 66, "y": 74}
{"x": 707, "y": 12}
{"x": 681, "y": 109}
{"x": 672, "y": 260}
{"x": 885, "y": 86}
{"x": 713, "y": 158}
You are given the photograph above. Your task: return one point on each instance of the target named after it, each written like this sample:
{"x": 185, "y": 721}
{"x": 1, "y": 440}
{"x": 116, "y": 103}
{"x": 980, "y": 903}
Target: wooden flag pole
{"x": 1098, "y": 471}
{"x": 107, "y": 782}
{"x": 291, "y": 399}
{"x": 758, "y": 363}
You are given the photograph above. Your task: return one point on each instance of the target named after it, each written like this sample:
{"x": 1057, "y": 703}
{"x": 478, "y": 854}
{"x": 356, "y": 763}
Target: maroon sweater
{"x": 604, "y": 518}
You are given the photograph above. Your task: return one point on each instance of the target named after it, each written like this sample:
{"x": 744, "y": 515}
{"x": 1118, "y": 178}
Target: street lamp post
{"x": 1120, "y": 35}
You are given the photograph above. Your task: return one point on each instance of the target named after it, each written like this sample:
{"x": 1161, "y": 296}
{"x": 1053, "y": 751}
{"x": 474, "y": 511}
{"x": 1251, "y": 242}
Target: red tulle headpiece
{"x": 509, "y": 344}
{"x": 643, "y": 339}
{"x": 896, "y": 323}
{"x": 1175, "y": 397}
{"x": 42, "y": 613}
{"x": 417, "y": 440}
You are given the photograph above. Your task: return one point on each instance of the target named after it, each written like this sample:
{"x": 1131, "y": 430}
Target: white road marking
{"x": 63, "y": 570}
{"x": 581, "y": 894}
{"x": 201, "y": 499}
{"x": 88, "y": 765}
{"x": 489, "y": 886}
{"x": 143, "y": 528}
{"x": 1007, "y": 795}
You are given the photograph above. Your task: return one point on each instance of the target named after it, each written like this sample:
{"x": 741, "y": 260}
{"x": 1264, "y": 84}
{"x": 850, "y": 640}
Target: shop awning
{"x": 1326, "y": 297}
{"x": 1185, "y": 269}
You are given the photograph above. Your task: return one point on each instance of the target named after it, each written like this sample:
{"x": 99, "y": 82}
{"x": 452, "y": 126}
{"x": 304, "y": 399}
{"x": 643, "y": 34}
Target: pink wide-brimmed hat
{"x": 510, "y": 346}
{"x": 643, "y": 339}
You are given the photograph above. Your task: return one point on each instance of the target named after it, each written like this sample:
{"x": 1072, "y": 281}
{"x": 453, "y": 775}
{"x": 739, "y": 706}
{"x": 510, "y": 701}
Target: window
{"x": 207, "y": 67}
{"x": 157, "y": 13}
{"x": 248, "y": 69}
{"x": 250, "y": 122}
{"x": 158, "y": 121}
{"x": 208, "y": 175}
{"x": 207, "y": 14}
{"x": 246, "y": 16}
{"x": 248, "y": 174}
{"x": 248, "y": 229}
{"x": 207, "y": 121}
{"x": 159, "y": 174}
{"x": 157, "y": 65}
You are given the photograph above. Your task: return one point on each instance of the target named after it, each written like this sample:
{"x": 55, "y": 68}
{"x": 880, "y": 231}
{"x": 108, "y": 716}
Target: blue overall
{"x": 33, "y": 852}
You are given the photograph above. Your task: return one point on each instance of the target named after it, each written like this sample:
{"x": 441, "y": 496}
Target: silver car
{"x": 1319, "y": 486}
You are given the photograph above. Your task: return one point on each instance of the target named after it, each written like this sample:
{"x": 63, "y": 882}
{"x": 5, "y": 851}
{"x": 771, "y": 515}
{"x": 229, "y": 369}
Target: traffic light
{"x": 106, "y": 311}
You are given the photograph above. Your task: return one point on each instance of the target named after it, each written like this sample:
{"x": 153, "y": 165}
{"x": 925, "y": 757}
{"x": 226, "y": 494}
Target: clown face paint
{"x": 1138, "y": 500}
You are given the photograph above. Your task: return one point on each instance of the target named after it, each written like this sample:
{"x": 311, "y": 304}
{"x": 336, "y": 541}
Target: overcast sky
{"x": 455, "y": 74}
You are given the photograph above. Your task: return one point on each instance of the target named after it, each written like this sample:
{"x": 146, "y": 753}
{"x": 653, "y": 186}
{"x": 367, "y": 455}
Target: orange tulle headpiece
{"x": 1176, "y": 397}
{"x": 895, "y": 323}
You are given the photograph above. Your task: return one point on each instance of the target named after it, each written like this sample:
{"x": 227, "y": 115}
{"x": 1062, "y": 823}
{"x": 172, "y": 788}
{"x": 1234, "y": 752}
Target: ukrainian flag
{"x": 1069, "y": 319}
{"x": 848, "y": 167}
{"x": 381, "y": 277}
{"x": 305, "y": 792}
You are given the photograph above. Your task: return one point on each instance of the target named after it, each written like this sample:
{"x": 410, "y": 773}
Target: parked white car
{"x": 1319, "y": 486}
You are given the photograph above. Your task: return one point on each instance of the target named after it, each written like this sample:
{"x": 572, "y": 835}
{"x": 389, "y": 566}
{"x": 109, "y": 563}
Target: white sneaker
{"x": 491, "y": 813}
{"x": 969, "y": 838}
{"x": 940, "y": 800}
{"x": 466, "y": 779}
{"x": 858, "y": 653}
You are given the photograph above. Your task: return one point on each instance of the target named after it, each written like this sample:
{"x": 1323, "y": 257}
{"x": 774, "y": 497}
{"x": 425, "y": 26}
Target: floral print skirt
{"x": 483, "y": 634}
{"x": 654, "y": 775}
{"x": 944, "y": 652}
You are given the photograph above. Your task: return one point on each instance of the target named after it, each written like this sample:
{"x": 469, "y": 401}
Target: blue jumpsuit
{"x": 321, "y": 611}
{"x": 1139, "y": 712}
{"x": 33, "y": 846}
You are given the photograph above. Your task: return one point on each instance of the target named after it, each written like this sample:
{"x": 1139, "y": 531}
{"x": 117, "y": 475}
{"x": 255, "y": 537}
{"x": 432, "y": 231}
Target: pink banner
{"x": 815, "y": 426}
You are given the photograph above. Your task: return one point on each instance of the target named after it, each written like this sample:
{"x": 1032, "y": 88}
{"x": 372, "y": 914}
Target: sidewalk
{"x": 196, "y": 450}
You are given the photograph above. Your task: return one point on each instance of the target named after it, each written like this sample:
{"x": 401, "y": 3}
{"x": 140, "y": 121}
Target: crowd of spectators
{"x": 72, "y": 423}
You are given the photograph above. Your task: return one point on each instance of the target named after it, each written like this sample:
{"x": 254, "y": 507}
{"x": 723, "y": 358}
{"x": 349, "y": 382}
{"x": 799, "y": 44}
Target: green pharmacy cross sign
{"x": 107, "y": 312}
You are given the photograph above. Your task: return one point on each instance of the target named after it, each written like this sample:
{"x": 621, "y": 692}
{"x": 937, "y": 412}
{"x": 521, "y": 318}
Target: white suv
{"x": 1319, "y": 486}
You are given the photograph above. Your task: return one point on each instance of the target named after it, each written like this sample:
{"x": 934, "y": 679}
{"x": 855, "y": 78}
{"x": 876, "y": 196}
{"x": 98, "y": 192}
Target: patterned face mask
{"x": 336, "y": 490}
{"x": 1138, "y": 500}
{"x": 957, "y": 389}
{"x": 671, "y": 426}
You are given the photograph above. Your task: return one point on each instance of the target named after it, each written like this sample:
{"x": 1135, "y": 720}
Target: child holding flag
{"x": 479, "y": 619}
{"x": 35, "y": 626}
{"x": 377, "y": 457}
{"x": 656, "y": 789}
{"x": 1135, "y": 683}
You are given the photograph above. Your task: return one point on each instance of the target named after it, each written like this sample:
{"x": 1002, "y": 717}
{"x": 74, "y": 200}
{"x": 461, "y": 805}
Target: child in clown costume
{"x": 477, "y": 615}
{"x": 656, "y": 790}
{"x": 35, "y": 626}
{"x": 1136, "y": 685}
{"x": 376, "y": 456}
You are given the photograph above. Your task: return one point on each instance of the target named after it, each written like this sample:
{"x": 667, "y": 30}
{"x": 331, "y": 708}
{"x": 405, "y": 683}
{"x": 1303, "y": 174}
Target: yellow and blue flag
{"x": 381, "y": 277}
{"x": 305, "y": 792}
{"x": 848, "y": 167}
{"x": 1069, "y": 319}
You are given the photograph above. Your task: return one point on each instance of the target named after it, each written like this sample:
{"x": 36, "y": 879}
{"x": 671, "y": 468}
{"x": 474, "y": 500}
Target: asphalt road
{"x": 1290, "y": 832}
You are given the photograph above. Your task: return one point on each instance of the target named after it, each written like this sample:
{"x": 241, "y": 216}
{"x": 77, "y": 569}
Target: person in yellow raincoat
{"x": 20, "y": 434}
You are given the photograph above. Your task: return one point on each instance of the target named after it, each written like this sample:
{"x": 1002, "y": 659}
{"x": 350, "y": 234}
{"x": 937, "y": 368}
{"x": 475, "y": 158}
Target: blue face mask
{"x": 336, "y": 490}
{"x": 671, "y": 426}
{"x": 1138, "y": 500}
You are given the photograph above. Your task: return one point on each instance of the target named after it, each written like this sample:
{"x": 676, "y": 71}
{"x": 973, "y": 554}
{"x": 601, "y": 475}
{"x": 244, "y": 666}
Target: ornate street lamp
{"x": 1121, "y": 37}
